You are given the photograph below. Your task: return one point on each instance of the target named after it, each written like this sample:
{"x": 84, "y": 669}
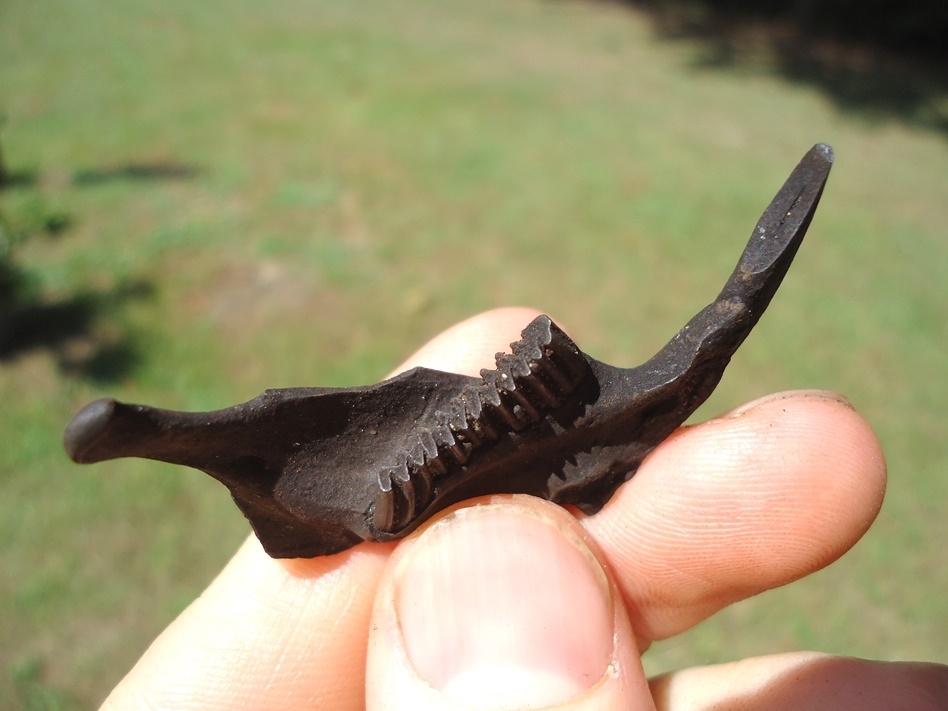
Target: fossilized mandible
{"x": 317, "y": 470}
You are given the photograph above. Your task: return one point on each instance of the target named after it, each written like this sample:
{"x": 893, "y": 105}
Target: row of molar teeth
{"x": 519, "y": 380}
{"x": 551, "y": 352}
{"x": 547, "y": 377}
{"x": 498, "y": 389}
{"x": 466, "y": 422}
{"x": 447, "y": 439}
{"x": 407, "y": 486}
{"x": 536, "y": 376}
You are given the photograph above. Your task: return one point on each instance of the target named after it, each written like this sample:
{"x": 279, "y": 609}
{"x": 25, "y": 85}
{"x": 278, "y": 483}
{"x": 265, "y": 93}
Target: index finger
{"x": 729, "y": 508}
{"x": 291, "y": 633}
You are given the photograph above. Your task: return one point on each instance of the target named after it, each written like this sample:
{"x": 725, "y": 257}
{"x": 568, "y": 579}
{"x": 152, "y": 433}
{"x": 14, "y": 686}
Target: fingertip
{"x": 832, "y": 437}
{"x": 803, "y": 680}
{"x": 740, "y": 504}
{"x": 501, "y": 604}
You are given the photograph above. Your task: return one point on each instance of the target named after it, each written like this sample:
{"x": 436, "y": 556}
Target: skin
{"x": 510, "y": 602}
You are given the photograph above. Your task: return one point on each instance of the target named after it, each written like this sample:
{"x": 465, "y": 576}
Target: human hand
{"x": 511, "y": 602}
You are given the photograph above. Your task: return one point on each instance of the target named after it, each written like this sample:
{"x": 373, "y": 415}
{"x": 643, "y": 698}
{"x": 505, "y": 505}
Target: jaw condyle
{"x": 317, "y": 470}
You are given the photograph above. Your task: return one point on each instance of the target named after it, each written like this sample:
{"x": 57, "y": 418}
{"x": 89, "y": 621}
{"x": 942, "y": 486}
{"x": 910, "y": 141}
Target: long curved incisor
{"x": 723, "y": 325}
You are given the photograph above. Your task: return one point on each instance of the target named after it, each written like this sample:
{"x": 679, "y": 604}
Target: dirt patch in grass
{"x": 243, "y": 298}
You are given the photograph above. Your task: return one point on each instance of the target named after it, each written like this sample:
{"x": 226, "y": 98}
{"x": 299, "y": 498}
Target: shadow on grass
{"x": 17, "y": 179}
{"x": 136, "y": 172}
{"x": 860, "y": 75}
{"x": 80, "y": 331}
{"x": 133, "y": 172}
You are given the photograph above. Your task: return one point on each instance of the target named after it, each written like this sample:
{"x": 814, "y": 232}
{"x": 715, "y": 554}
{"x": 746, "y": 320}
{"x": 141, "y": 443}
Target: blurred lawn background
{"x": 204, "y": 200}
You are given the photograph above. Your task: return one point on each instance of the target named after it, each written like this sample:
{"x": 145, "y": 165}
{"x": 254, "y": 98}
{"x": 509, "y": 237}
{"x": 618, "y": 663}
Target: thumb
{"x": 501, "y": 604}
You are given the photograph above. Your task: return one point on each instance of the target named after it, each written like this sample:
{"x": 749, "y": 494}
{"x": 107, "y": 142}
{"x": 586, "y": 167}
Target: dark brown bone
{"x": 317, "y": 470}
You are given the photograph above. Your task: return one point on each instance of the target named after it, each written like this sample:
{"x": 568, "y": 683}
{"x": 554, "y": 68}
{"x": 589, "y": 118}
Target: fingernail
{"x": 826, "y": 395}
{"x": 500, "y": 607}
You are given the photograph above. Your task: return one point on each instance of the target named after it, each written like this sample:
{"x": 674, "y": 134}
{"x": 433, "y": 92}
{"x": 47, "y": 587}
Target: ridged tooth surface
{"x": 428, "y": 444}
{"x": 527, "y": 349}
{"x": 443, "y": 436}
{"x": 513, "y": 372}
{"x": 473, "y": 407}
{"x": 471, "y": 435}
{"x": 506, "y": 381}
{"x": 385, "y": 480}
{"x": 458, "y": 420}
{"x": 422, "y": 478}
{"x": 400, "y": 471}
{"x": 436, "y": 466}
{"x": 528, "y": 408}
{"x": 384, "y": 517}
{"x": 416, "y": 456}
{"x": 424, "y": 464}
{"x": 576, "y": 370}
{"x": 399, "y": 492}
{"x": 485, "y": 429}
{"x": 559, "y": 375}
{"x": 536, "y": 384}
{"x": 405, "y": 506}
{"x": 495, "y": 383}
{"x": 510, "y": 417}
{"x": 544, "y": 368}
{"x": 514, "y": 366}
{"x": 459, "y": 453}
{"x": 486, "y": 393}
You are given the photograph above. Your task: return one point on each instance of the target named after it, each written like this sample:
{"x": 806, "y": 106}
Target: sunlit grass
{"x": 364, "y": 175}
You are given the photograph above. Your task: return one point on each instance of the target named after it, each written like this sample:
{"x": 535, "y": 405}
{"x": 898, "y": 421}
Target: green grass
{"x": 365, "y": 175}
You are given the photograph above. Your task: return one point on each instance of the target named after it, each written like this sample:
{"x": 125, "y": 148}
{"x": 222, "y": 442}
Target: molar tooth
{"x": 510, "y": 417}
{"x": 422, "y": 481}
{"x": 556, "y": 374}
{"x": 472, "y": 406}
{"x": 576, "y": 368}
{"x": 436, "y": 466}
{"x": 407, "y": 489}
{"x": 540, "y": 388}
{"x": 481, "y": 403}
{"x": 460, "y": 454}
{"x": 499, "y": 380}
{"x": 434, "y": 442}
{"x": 384, "y": 516}
{"x": 471, "y": 435}
{"x": 487, "y": 394}
{"x": 527, "y": 406}
{"x": 457, "y": 421}
{"x": 485, "y": 429}
{"x": 443, "y": 436}
{"x": 518, "y": 366}
{"x": 473, "y": 410}
{"x": 416, "y": 455}
{"x": 428, "y": 444}
{"x": 400, "y": 471}
{"x": 527, "y": 349}
{"x": 447, "y": 439}
{"x": 565, "y": 354}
